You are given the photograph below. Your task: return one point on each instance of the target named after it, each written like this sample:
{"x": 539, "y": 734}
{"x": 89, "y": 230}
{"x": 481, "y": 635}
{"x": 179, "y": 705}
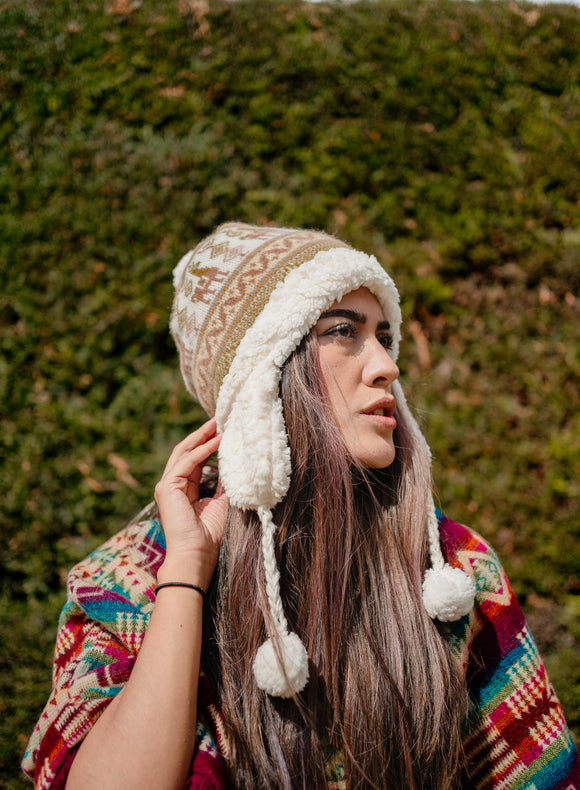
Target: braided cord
{"x": 437, "y": 559}
{"x": 272, "y": 573}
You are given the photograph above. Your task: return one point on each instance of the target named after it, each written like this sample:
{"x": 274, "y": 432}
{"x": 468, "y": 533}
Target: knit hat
{"x": 244, "y": 299}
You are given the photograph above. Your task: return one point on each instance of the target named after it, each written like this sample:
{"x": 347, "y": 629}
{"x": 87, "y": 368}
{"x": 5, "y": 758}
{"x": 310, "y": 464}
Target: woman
{"x": 350, "y": 636}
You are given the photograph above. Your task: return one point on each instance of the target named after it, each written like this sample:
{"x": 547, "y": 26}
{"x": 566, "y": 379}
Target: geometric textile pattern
{"x": 515, "y": 735}
{"x": 101, "y": 628}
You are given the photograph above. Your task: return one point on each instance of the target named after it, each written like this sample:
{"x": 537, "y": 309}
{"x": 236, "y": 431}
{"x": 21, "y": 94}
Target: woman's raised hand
{"x": 193, "y": 527}
{"x": 143, "y": 737}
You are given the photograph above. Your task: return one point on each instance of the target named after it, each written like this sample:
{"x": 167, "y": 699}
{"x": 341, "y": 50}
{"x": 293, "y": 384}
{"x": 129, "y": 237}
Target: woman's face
{"x": 353, "y": 342}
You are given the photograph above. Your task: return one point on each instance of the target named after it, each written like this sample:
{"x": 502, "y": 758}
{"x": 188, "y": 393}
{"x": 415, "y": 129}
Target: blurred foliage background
{"x": 443, "y": 137}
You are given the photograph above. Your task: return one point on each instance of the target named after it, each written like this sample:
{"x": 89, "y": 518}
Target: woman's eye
{"x": 386, "y": 341}
{"x": 341, "y": 330}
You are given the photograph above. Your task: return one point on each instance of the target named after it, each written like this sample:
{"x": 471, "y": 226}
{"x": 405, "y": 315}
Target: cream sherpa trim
{"x": 254, "y": 457}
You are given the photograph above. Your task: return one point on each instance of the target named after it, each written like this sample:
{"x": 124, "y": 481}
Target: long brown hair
{"x": 384, "y": 688}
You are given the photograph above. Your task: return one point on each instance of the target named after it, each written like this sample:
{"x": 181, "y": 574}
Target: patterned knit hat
{"x": 244, "y": 299}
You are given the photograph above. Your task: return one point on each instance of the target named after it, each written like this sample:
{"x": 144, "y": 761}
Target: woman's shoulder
{"x": 456, "y": 537}
{"x": 465, "y": 548}
{"x": 114, "y": 585}
{"x": 496, "y": 623}
{"x": 514, "y": 710}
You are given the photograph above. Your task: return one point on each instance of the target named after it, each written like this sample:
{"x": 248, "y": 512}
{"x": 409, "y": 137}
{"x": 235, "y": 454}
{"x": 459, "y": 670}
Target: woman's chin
{"x": 375, "y": 458}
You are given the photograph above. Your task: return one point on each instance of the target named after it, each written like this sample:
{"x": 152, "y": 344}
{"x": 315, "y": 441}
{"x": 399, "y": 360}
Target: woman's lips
{"x": 381, "y": 418}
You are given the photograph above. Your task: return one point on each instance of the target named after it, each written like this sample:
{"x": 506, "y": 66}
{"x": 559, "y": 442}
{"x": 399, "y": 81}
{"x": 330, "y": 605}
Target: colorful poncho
{"x": 517, "y": 735}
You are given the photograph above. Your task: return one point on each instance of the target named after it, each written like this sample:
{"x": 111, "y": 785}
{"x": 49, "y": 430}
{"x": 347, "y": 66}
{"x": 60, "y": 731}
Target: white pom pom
{"x": 447, "y": 593}
{"x": 269, "y": 674}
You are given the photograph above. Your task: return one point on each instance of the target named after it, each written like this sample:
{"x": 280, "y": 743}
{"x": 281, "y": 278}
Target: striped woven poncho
{"x": 517, "y": 736}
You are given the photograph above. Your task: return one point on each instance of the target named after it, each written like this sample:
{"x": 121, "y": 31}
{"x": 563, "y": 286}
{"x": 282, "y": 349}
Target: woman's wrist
{"x": 181, "y": 585}
{"x": 184, "y": 572}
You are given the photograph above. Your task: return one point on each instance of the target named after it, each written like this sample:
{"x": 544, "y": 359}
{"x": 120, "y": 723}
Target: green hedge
{"x": 443, "y": 137}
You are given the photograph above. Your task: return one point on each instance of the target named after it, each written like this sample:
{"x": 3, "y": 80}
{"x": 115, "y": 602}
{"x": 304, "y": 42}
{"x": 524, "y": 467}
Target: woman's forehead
{"x": 361, "y": 301}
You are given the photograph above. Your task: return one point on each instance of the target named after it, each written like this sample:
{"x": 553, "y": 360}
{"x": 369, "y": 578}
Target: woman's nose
{"x": 379, "y": 366}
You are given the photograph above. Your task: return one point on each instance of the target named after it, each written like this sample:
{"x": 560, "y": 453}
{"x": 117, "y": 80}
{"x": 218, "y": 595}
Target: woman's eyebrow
{"x": 358, "y": 318}
{"x": 355, "y": 316}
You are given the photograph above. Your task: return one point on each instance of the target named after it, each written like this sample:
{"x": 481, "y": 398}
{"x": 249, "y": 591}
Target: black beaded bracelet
{"x": 181, "y": 584}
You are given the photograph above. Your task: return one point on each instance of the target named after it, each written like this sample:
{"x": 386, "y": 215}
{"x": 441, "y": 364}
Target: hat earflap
{"x": 448, "y": 593}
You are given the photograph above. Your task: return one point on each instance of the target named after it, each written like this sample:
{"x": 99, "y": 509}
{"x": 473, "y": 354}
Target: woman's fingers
{"x": 192, "y": 442}
{"x": 193, "y": 527}
{"x": 183, "y": 470}
{"x": 187, "y": 463}
{"x": 185, "y": 473}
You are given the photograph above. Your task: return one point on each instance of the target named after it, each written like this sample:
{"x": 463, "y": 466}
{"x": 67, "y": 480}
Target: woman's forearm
{"x": 145, "y": 738}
